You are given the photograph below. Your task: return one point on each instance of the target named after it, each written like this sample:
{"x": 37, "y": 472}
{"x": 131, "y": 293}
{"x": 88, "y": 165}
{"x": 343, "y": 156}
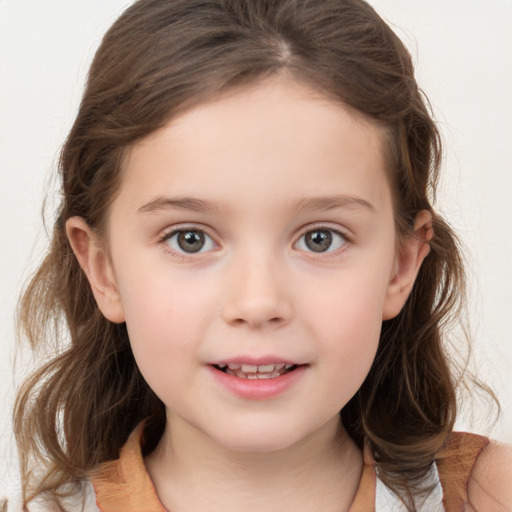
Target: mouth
{"x": 256, "y": 372}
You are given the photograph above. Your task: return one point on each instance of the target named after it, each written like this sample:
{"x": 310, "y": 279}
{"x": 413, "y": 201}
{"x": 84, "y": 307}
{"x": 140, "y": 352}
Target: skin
{"x": 259, "y": 171}
{"x": 489, "y": 486}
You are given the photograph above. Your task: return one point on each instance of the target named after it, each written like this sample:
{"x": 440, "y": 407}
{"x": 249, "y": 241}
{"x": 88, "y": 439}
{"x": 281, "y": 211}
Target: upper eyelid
{"x": 168, "y": 232}
{"x": 346, "y": 233}
{"x": 192, "y": 226}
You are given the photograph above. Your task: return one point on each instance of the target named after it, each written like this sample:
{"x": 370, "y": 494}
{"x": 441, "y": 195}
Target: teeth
{"x": 253, "y": 372}
{"x": 249, "y": 368}
{"x": 252, "y": 368}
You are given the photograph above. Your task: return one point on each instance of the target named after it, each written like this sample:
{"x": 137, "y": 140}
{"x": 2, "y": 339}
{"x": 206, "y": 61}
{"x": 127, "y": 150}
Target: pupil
{"x": 319, "y": 241}
{"x": 191, "y": 241}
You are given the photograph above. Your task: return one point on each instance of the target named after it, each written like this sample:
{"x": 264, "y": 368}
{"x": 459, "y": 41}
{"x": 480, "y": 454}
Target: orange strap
{"x": 124, "y": 485}
{"x": 364, "y": 500}
{"x": 455, "y": 464}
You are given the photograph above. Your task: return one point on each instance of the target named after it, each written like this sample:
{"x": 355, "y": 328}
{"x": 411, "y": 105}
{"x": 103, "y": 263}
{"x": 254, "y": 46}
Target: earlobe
{"x": 413, "y": 250}
{"x": 96, "y": 264}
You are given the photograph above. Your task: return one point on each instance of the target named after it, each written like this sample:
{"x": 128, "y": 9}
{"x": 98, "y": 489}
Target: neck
{"x": 191, "y": 472}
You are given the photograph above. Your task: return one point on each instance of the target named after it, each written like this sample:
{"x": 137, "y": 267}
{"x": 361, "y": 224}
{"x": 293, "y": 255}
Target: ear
{"x": 96, "y": 264}
{"x": 412, "y": 251}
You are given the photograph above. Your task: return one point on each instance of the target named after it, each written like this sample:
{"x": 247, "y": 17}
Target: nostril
{"x": 256, "y": 311}
{"x": 257, "y": 320}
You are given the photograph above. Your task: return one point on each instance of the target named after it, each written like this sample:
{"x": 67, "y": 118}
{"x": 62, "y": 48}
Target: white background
{"x": 463, "y": 51}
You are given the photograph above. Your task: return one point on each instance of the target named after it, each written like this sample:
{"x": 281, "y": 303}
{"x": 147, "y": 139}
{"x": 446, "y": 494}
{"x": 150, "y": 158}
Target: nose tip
{"x": 257, "y": 297}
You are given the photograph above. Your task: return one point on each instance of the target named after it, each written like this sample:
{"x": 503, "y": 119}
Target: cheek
{"x": 345, "y": 317}
{"x": 165, "y": 328}
{"x": 349, "y": 302}
{"x": 165, "y": 314}
{"x": 350, "y": 347}
{"x": 352, "y": 330}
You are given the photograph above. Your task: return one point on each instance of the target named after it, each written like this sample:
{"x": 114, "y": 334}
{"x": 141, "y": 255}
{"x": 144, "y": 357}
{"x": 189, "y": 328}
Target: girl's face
{"x": 253, "y": 257}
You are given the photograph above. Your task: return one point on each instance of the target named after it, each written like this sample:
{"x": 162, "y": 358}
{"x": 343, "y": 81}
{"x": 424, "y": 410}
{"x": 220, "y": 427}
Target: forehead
{"x": 275, "y": 136}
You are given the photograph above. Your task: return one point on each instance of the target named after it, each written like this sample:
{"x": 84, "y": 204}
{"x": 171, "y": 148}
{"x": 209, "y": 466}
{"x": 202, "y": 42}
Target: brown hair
{"x": 160, "y": 58}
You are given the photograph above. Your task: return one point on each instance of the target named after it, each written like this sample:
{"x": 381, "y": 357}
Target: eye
{"x": 321, "y": 240}
{"x": 189, "y": 241}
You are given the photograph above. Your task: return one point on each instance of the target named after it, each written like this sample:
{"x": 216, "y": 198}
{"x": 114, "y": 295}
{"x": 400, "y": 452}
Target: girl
{"x": 246, "y": 247}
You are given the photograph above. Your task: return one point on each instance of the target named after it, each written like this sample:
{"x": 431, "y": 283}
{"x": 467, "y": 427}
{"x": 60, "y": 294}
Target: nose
{"x": 258, "y": 293}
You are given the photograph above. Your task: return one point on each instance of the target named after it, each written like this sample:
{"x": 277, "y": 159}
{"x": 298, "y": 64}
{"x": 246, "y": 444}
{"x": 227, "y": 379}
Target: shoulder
{"x": 490, "y": 482}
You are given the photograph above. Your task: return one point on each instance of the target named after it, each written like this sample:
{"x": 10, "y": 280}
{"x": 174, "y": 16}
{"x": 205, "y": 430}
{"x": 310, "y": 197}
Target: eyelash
{"x": 329, "y": 252}
{"x": 164, "y": 239}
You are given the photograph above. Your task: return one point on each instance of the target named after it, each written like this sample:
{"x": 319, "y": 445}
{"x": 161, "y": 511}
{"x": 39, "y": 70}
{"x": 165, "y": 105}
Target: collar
{"x": 125, "y": 486}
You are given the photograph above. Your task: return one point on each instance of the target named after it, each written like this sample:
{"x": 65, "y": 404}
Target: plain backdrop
{"x": 463, "y": 52}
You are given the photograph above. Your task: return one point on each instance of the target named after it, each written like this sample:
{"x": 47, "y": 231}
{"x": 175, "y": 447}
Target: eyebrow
{"x": 331, "y": 202}
{"x": 202, "y": 205}
{"x": 178, "y": 203}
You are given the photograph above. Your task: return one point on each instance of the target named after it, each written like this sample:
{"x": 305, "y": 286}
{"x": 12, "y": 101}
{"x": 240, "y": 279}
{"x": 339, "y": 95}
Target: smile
{"x": 256, "y": 372}
{"x": 258, "y": 379}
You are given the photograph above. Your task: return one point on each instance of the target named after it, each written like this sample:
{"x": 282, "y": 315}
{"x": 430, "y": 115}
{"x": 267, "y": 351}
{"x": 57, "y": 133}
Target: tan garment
{"x": 125, "y": 486}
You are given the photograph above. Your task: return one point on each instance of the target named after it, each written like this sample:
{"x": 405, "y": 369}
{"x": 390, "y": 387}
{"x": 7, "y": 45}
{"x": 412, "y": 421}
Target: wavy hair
{"x": 159, "y": 59}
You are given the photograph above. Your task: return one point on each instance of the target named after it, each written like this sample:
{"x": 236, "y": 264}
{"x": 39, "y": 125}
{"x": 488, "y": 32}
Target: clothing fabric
{"x": 125, "y": 486}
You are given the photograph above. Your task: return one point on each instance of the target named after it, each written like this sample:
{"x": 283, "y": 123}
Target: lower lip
{"x": 258, "y": 389}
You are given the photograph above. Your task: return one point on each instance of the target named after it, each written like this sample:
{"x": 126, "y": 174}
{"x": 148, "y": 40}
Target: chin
{"x": 257, "y": 445}
{"x": 265, "y": 439}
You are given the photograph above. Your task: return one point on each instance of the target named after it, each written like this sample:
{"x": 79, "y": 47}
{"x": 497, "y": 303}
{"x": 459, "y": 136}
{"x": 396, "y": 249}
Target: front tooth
{"x": 266, "y": 368}
{"x": 234, "y": 366}
{"x": 249, "y": 368}
{"x": 252, "y": 376}
{"x": 264, "y": 376}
